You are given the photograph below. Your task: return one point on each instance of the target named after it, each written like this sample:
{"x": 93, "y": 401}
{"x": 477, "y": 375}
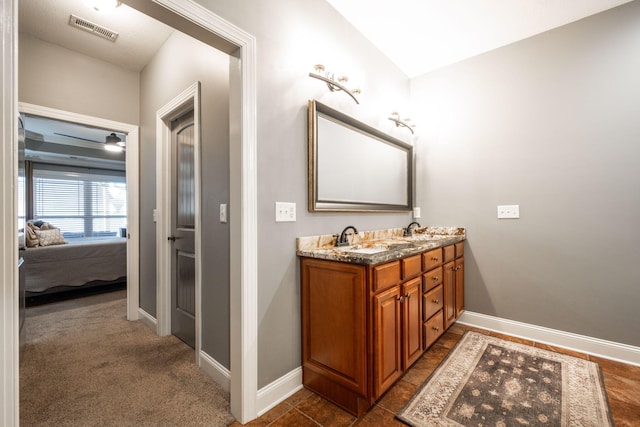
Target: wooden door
{"x": 411, "y": 322}
{"x": 387, "y": 339}
{"x": 459, "y": 269}
{"x": 448, "y": 284}
{"x": 183, "y": 230}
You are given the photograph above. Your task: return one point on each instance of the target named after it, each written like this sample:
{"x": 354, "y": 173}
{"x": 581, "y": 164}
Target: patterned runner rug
{"x": 486, "y": 381}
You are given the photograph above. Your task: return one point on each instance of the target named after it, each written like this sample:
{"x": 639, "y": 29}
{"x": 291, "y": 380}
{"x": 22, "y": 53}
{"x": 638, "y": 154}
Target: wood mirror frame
{"x": 354, "y": 167}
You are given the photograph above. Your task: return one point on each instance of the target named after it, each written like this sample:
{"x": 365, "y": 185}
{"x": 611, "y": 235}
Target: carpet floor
{"x": 84, "y": 364}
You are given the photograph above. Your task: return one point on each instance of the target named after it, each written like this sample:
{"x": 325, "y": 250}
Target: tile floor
{"x": 305, "y": 408}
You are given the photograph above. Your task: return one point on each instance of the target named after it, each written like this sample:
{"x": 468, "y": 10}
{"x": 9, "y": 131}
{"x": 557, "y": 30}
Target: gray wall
{"x": 292, "y": 36}
{"x": 181, "y": 62}
{"x": 549, "y": 123}
{"x": 55, "y": 77}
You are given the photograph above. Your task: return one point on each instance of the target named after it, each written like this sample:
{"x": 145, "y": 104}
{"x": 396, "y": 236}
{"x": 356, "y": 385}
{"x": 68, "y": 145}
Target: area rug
{"x": 487, "y": 381}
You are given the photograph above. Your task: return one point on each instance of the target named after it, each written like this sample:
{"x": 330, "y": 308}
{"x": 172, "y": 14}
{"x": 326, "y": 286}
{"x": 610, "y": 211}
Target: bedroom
{"x": 72, "y": 202}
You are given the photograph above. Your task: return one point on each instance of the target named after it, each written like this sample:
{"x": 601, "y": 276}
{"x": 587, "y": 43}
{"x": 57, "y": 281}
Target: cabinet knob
{"x": 435, "y": 278}
{"x": 400, "y": 298}
{"x": 435, "y": 328}
{"x": 435, "y": 258}
{"x": 436, "y": 301}
{"x": 407, "y": 296}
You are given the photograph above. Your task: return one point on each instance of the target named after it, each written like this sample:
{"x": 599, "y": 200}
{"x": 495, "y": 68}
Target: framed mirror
{"x": 354, "y": 167}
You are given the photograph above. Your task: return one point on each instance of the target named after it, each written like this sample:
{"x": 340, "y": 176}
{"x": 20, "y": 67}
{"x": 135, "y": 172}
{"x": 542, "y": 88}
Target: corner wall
{"x": 549, "y": 123}
{"x": 292, "y": 36}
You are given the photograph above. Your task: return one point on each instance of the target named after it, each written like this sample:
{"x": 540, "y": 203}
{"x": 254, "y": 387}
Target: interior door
{"x": 182, "y": 238}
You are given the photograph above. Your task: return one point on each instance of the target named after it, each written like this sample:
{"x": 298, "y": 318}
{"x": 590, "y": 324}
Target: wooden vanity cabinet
{"x": 364, "y": 326}
{"x": 459, "y": 279}
{"x": 397, "y": 331}
{"x": 453, "y": 285}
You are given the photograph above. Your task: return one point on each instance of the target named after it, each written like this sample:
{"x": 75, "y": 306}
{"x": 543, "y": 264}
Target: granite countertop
{"x": 378, "y": 246}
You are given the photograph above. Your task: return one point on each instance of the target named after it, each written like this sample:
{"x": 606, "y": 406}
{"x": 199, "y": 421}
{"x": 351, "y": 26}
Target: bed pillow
{"x": 50, "y": 237}
{"x": 30, "y": 234}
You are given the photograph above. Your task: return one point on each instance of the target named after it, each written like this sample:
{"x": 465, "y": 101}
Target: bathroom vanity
{"x": 370, "y": 309}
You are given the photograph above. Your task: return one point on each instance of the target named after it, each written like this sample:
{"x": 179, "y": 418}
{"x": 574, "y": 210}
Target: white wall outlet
{"x": 416, "y": 213}
{"x": 223, "y": 213}
{"x": 155, "y": 215}
{"x": 508, "y": 211}
{"x": 285, "y": 212}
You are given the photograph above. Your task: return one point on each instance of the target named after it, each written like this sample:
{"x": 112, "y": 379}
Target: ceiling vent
{"x": 96, "y": 29}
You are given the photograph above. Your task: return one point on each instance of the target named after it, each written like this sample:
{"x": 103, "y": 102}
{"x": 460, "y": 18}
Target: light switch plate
{"x": 223, "y": 213}
{"x": 416, "y": 213}
{"x": 285, "y": 212}
{"x": 508, "y": 211}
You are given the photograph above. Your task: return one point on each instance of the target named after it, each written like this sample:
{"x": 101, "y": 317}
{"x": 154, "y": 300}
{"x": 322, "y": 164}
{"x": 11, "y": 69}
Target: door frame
{"x": 185, "y": 101}
{"x": 132, "y": 179}
{"x": 244, "y": 221}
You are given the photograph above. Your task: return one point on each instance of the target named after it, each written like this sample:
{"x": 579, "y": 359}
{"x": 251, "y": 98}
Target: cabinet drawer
{"x": 431, "y": 259}
{"x": 411, "y": 266}
{"x": 431, "y": 302}
{"x": 432, "y": 329}
{"x": 431, "y": 279}
{"x": 449, "y": 253}
{"x": 385, "y": 276}
{"x": 459, "y": 249}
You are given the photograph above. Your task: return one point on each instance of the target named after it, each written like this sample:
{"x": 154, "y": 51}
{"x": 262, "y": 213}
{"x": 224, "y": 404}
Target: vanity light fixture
{"x": 395, "y": 117}
{"x": 334, "y": 85}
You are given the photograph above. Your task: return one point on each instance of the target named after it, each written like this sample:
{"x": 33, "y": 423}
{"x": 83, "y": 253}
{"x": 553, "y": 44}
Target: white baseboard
{"x": 148, "y": 320}
{"x": 215, "y": 370}
{"x": 271, "y": 395}
{"x": 584, "y": 344}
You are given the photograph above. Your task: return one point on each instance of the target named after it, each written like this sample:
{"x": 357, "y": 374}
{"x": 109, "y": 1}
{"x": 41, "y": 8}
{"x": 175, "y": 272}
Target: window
{"x": 80, "y": 202}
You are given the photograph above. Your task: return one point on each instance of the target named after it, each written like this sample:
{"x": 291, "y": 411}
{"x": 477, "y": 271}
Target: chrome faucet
{"x": 343, "y": 240}
{"x": 409, "y": 231}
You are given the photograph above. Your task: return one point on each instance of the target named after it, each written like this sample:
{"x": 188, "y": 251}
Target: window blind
{"x": 81, "y": 202}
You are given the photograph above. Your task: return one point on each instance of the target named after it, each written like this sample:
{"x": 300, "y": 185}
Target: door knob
{"x": 172, "y": 238}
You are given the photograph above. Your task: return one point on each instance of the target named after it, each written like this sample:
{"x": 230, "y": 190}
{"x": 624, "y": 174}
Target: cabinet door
{"x": 334, "y": 327}
{"x": 411, "y": 321}
{"x": 459, "y": 269}
{"x": 387, "y": 335}
{"x": 448, "y": 285}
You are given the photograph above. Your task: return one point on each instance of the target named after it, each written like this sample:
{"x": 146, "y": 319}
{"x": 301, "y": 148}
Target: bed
{"x": 86, "y": 262}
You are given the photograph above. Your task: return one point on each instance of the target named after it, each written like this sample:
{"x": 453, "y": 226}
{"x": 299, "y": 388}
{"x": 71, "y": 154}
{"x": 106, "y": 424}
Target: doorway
{"x": 132, "y": 182}
{"x": 178, "y": 240}
{"x": 243, "y": 142}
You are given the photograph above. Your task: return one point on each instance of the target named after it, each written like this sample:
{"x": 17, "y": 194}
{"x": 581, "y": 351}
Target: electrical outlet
{"x": 285, "y": 212}
{"x": 416, "y": 213}
{"x": 508, "y": 211}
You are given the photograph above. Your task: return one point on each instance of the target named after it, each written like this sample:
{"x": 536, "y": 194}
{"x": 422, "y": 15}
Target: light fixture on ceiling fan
{"x": 113, "y": 143}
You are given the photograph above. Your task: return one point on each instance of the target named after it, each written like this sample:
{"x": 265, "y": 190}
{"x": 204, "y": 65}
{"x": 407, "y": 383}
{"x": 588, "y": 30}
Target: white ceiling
{"x": 139, "y": 37}
{"x": 423, "y": 35}
{"x": 417, "y": 35}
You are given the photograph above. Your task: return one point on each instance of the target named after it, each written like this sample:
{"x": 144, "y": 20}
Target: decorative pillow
{"x": 47, "y": 226}
{"x": 30, "y": 237}
{"x": 50, "y": 237}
